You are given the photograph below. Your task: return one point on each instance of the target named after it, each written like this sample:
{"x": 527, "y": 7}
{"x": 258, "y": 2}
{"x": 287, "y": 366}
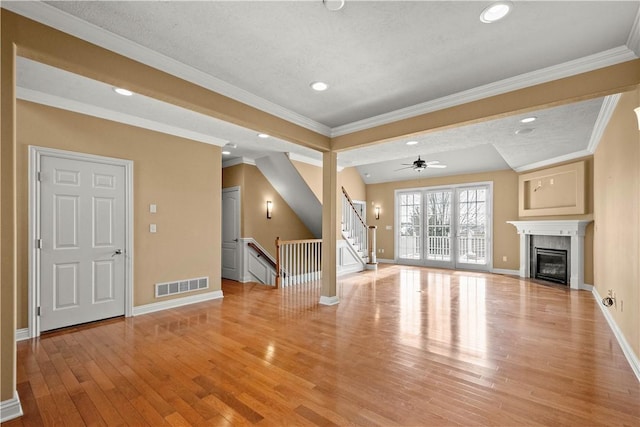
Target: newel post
{"x": 373, "y": 261}
{"x": 277, "y": 262}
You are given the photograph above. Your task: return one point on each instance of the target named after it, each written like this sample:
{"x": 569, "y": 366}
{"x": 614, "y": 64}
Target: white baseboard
{"x": 329, "y": 300}
{"x": 632, "y": 358}
{"x": 386, "y": 261}
{"x": 10, "y": 409}
{"x": 507, "y": 272}
{"x": 177, "y": 302}
{"x": 587, "y": 287}
{"x": 22, "y": 334}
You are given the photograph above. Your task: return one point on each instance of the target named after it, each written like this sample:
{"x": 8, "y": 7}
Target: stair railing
{"x": 356, "y": 229}
{"x": 298, "y": 261}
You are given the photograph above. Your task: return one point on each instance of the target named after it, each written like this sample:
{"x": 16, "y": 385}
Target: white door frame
{"x": 454, "y": 213}
{"x": 35, "y": 155}
{"x": 240, "y": 246}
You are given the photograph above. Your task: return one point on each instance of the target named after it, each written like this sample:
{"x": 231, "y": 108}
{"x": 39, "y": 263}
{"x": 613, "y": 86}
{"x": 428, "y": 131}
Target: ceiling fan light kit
{"x": 420, "y": 165}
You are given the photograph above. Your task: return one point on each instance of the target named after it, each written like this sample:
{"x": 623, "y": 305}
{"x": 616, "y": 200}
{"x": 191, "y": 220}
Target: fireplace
{"x": 574, "y": 230}
{"x": 551, "y": 264}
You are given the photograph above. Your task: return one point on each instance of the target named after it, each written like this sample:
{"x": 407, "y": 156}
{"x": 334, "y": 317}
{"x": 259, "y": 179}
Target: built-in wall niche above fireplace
{"x": 541, "y": 233}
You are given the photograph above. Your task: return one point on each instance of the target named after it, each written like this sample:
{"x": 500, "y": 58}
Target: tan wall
{"x": 180, "y": 176}
{"x": 312, "y": 175}
{"x": 255, "y": 191}
{"x": 617, "y": 217}
{"x": 505, "y": 208}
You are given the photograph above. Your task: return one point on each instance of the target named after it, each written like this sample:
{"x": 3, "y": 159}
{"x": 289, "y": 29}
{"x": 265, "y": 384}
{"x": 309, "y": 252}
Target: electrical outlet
{"x": 551, "y": 181}
{"x": 382, "y": 250}
{"x": 504, "y": 258}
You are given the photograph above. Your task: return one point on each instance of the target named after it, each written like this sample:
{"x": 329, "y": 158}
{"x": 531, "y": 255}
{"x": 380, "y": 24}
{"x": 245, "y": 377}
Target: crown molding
{"x": 62, "y": 21}
{"x": 103, "y": 113}
{"x": 553, "y": 161}
{"x": 633, "y": 41}
{"x": 237, "y": 161}
{"x": 588, "y": 63}
{"x": 606, "y": 111}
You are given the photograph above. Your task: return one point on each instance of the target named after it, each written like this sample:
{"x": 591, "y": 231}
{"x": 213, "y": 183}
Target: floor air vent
{"x": 181, "y": 286}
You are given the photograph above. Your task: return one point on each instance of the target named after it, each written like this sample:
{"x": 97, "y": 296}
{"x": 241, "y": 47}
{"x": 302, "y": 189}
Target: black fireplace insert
{"x": 551, "y": 264}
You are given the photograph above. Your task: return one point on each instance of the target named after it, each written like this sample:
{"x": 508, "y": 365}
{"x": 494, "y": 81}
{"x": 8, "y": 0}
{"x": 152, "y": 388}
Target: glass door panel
{"x": 438, "y": 245}
{"x": 472, "y": 227}
{"x": 410, "y": 226}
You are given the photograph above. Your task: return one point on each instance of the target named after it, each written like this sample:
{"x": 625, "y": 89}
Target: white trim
{"x": 553, "y": 161}
{"x": 35, "y": 155}
{"x": 237, "y": 161}
{"x": 245, "y": 272}
{"x": 49, "y": 15}
{"x": 587, "y": 287}
{"x": 176, "y": 302}
{"x": 22, "y": 334}
{"x": 453, "y": 264}
{"x": 52, "y": 17}
{"x": 324, "y": 300}
{"x": 387, "y": 261}
{"x": 606, "y": 111}
{"x": 10, "y": 409}
{"x": 633, "y": 41}
{"x": 574, "y": 229}
{"x": 505, "y": 271}
{"x": 588, "y": 63}
{"x": 116, "y": 116}
{"x": 632, "y": 358}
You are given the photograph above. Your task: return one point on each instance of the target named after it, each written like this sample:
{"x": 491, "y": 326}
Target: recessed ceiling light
{"x": 121, "y": 91}
{"x": 263, "y": 135}
{"x": 333, "y": 5}
{"x": 412, "y": 142}
{"x": 319, "y": 86}
{"x": 528, "y": 119}
{"x": 495, "y": 12}
{"x": 226, "y": 153}
{"x": 524, "y": 131}
{"x": 367, "y": 175}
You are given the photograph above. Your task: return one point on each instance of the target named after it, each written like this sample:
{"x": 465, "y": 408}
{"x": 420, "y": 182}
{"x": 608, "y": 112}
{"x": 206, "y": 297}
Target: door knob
{"x": 117, "y": 252}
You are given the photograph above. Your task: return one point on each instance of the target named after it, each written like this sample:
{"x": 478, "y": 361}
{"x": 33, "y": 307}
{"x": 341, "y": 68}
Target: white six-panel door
{"x": 230, "y": 233}
{"x": 82, "y": 240}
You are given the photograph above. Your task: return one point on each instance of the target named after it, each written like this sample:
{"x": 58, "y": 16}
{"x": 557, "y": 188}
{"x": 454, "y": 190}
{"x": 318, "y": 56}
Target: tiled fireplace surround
{"x": 574, "y": 229}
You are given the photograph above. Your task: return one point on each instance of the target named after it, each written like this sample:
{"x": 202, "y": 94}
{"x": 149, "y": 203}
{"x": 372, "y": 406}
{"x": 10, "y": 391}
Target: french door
{"x": 446, "y": 227}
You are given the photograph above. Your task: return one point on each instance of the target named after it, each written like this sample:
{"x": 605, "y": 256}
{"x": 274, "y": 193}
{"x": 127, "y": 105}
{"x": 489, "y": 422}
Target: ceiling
{"x": 383, "y": 61}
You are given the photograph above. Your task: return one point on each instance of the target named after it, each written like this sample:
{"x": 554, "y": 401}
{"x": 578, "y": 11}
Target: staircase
{"x": 356, "y": 233}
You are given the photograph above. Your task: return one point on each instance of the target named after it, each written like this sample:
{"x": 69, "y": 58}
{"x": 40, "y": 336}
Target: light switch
{"x": 152, "y": 208}
{"x": 388, "y": 227}
{"x": 152, "y": 228}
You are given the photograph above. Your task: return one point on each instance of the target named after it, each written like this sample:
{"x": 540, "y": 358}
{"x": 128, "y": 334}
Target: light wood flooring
{"x": 406, "y": 346}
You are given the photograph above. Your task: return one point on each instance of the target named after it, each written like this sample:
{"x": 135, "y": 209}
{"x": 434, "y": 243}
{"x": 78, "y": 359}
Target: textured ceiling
{"x": 376, "y": 56}
{"x": 383, "y": 60}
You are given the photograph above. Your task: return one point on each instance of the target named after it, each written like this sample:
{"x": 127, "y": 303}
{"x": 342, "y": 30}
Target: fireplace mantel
{"x": 574, "y": 229}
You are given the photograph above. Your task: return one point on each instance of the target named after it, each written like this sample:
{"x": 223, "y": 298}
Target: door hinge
{"x": 38, "y": 311}
{"x": 39, "y": 243}
{"x": 39, "y": 177}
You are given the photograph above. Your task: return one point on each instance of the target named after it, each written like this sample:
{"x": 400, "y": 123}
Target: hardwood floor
{"x": 406, "y": 346}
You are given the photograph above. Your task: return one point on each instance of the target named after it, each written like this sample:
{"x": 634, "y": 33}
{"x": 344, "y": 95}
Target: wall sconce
{"x": 377, "y": 212}
{"x": 269, "y": 208}
{"x": 637, "y": 110}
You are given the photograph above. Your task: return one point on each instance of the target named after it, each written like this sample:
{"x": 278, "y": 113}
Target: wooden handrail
{"x": 262, "y": 253}
{"x": 353, "y": 207}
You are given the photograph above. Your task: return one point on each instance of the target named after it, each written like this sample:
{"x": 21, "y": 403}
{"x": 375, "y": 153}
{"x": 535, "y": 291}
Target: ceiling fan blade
{"x": 408, "y": 167}
{"x": 432, "y": 162}
{"x": 437, "y": 166}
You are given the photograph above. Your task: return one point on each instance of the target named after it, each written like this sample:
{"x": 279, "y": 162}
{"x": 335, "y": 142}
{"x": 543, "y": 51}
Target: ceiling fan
{"x": 420, "y": 165}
